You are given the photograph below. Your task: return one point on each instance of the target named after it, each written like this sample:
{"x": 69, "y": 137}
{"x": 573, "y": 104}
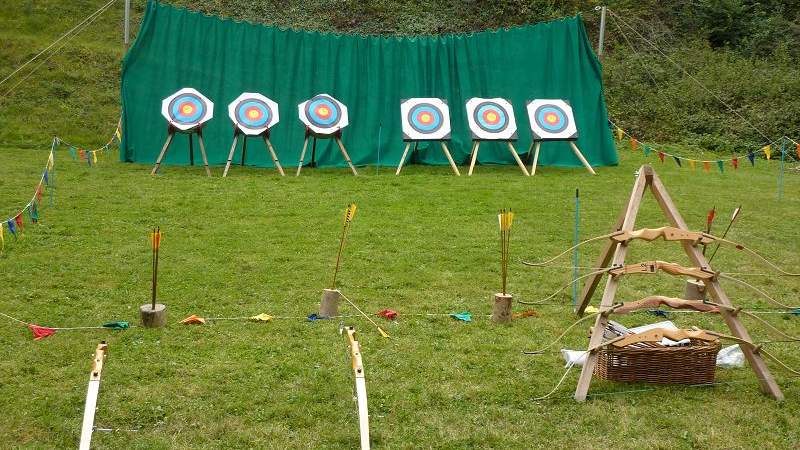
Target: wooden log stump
{"x": 695, "y": 290}
{"x": 501, "y": 311}
{"x": 329, "y": 306}
{"x": 153, "y": 318}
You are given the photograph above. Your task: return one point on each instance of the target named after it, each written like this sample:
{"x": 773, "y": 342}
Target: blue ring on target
{"x": 245, "y": 121}
{"x": 560, "y": 125}
{"x": 335, "y": 113}
{"x": 485, "y": 107}
{"x": 179, "y": 117}
{"x": 415, "y": 120}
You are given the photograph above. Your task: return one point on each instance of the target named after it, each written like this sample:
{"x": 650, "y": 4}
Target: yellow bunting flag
{"x": 155, "y": 239}
{"x": 767, "y": 151}
{"x": 620, "y": 134}
{"x": 692, "y": 163}
{"x": 50, "y": 161}
{"x": 634, "y": 144}
{"x": 2, "y": 240}
{"x": 94, "y": 156}
{"x": 193, "y": 320}
{"x": 263, "y": 317}
{"x": 118, "y": 133}
{"x": 707, "y": 166}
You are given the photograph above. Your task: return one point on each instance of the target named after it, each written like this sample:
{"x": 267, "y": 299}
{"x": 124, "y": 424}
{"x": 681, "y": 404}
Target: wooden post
{"x": 153, "y": 317}
{"x": 695, "y": 290}
{"x": 329, "y": 306}
{"x": 501, "y": 310}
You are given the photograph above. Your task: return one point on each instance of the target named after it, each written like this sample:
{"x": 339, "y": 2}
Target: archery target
{"x": 491, "y": 119}
{"x": 323, "y": 114}
{"x": 425, "y": 119}
{"x": 552, "y": 120}
{"x": 253, "y": 113}
{"x": 187, "y": 109}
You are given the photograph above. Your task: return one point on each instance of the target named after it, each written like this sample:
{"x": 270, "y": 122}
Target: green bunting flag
{"x": 721, "y": 166}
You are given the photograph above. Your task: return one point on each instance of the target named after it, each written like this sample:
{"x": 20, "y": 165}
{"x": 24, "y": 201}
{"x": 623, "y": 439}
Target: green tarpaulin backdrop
{"x": 222, "y": 58}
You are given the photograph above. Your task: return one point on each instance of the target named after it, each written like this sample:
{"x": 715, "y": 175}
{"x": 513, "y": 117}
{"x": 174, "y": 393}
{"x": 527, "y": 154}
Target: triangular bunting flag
{"x": 73, "y": 153}
{"x": 117, "y": 325}
{"x": 526, "y": 313}
{"x": 40, "y": 333}
{"x": 767, "y": 151}
{"x": 798, "y": 151}
{"x": 193, "y": 320}
{"x": 389, "y": 314}
{"x": 12, "y": 228}
{"x": 735, "y": 162}
{"x": 46, "y": 178}
{"x": 261, "y": 318}
{"x": 677, "y": 161}
{"x": 34, "y": 212}
{"x": 646, "y": 150}
{"x": 94, "y": 157}
{"x": 692, "y": 164}
{"x": 462, "y": 316}
{"x": 634, "y": 144}
{"x": 661, "y": 156}
{"x": 18, "y": 220}
{"x": 752, "y": 157}
{"x": 81, "y": 154}
{"x": 620, "y": 134}
{"x": 2, "y": 239}
{"x": 89, "y": 158}
{"x": 707, "y": 166}
{"x": 721, "y": 166}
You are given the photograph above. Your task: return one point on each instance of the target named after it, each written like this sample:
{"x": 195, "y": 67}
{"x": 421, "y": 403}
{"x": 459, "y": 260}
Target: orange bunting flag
{"x": 155, "y": 239}
{"x": 526, "y": 313}
{"x": 735, "y": 162}
{"x": 193, "y": 320}
{"x": 798, "y": 151}
{"x": 767, "y": 151}
{"x": 707, "y": 166}
{"x": 692, "y": 164}
{"x": 634, "y": 144}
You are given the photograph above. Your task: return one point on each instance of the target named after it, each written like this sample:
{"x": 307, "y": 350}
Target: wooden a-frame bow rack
{"x": 614, "y": 252}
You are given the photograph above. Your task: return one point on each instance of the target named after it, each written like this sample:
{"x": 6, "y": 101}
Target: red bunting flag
{"x": 18, "y": 220}
{"x": 707, "y": 166}
{"x": 661, "y": 156}
{"x": 40, "y": 333}
{"x": 82, "y": 154}
{"x": 39, "y": 192}
{"x": 735, "y": 162}
{"x": 389, "y": 314}
{"x": 634, "y": 144}
{"x": 712, "y": 214}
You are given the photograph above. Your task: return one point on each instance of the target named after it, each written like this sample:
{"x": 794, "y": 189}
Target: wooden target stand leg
{"x": 516, "y": 158}
{"x": 267, "y": 144}
{"x": 338, "y": 138}
{"x": 580, "y": 156}
{"x": 538, "y": 145}
{"x": 303, "y": 153}
{"x": 648, "y": 178}
{"x": 474, "y": 156}
{"x": 170, "y": 135}
{"x": 444, "y": 149}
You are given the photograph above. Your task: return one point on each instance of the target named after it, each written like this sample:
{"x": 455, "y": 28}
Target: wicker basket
{"x": 654, "y": 363}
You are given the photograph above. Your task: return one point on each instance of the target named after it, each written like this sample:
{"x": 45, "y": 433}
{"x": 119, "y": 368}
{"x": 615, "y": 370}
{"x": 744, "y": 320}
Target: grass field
{"x": 424, "y": 242}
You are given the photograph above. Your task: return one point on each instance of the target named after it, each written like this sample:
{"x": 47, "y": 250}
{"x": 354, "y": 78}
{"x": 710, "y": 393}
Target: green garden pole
{"x": 783, "y": 162}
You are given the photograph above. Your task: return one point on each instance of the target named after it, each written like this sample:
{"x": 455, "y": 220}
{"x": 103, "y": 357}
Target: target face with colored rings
{"x": 253, "y": 113}
{"x": 425, "y": 119}
{"x": 552, "y": 120}
{"x": 187, "y": 109}
{"x": 323, "y": 114}
{"x": 491, "y": 119}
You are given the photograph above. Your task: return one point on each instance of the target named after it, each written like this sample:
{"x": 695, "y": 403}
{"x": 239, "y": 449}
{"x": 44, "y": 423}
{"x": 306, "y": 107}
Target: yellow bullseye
{"x": 425, "y": 118}
{"x": 187, "y": 109}
{"x": 323, "y": 111}
{"x": 254, "y": 114}
{"x": 491, "y": 117}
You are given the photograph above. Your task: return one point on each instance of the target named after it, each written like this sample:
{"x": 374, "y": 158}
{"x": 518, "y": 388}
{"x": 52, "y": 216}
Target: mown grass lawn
{"x": 424, "y": 242}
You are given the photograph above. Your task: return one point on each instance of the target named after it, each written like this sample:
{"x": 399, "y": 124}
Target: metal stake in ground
{"x": 91, "y": 396}
{"x": 154, "y": 315}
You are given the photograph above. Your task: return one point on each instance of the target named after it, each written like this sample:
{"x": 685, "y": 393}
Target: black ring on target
{"x": 191, "y": 119}
{"x": 254, "y": 124}
{"x": 313, "y": 107}
{"x": 541, "y": 114}
{"x": 416, "y": 123}
{"x": 485, "y": 108}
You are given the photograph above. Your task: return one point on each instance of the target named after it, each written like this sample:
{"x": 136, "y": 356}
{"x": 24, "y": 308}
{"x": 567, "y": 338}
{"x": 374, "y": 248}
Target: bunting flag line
{"x": 41, "y": 332}
{"x": 16, "y": 223}
{"x": 91, "y": 156}
{"x": 767, "y": 150}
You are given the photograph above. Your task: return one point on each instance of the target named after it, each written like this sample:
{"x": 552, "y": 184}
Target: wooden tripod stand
{"x": 171, "y": 134}
{"x": 337, "y": 136}
{"x": 476, "y": 144}
{"x": 444, "y": 149}
{"x": 615, "y": 252}
{"x": 265, "y": 135}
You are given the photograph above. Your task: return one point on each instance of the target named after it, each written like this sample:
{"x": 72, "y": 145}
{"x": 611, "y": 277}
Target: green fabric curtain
{"x": 222, "y": 58}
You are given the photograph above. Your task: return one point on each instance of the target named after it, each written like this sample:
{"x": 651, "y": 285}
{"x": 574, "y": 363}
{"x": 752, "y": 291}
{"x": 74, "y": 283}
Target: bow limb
{"x": 736, "y": 310}
{"x": 544, "y": 300}
{"x": 548, "y": 346}
{"x": 757, "y": 255}
{"x": 757, "y": 348}
{"x": 759, "y": 291}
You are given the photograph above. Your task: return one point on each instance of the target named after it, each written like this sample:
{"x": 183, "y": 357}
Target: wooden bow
{"x": 700, "y": 273}
{"x": 655, "y": 301}
{"x": 657, "y": 334}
